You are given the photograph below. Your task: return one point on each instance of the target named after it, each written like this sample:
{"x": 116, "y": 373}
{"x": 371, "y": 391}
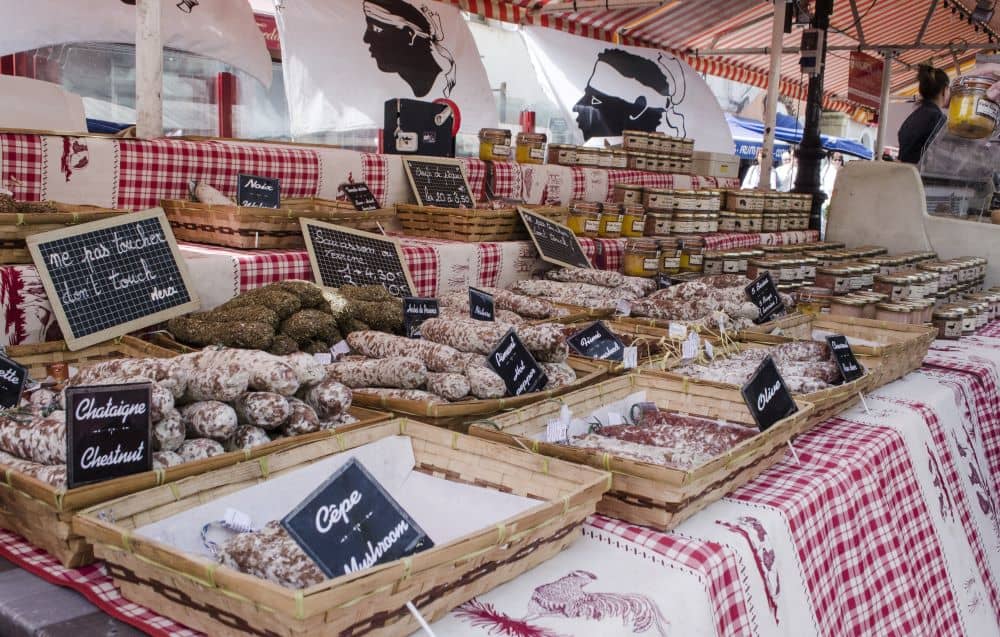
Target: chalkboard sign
{"x": 597, "y": 341}
{"x": 344, "y": 256}
{"x": 843, "y": 356}
{"x": 767, "y": 396}
{"x": 350, "y": 523}
{"x": 12, "y": 380}
{"x": 765, "y": 296}
{"x": 519, "y": 370}
{"x": 416, "y": 311}
{"x": 361, "y": 197}
{"x": 108, "y": 432}
{"x": 481, "y": 306}
{"x": 258, "y": 192}
{"x": 438, "y": 182}
{"x": 555, "y": 242}
{"x": 111, "y": 277}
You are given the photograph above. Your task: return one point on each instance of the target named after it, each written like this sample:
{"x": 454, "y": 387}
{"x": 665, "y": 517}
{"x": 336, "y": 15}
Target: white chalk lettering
{"x": 87, "y": 409}
{"x": 380, "y": 548}
{"x": 92, "y": 456}
{"x": 765, "y": 397}
{"x": 329, "y": 514}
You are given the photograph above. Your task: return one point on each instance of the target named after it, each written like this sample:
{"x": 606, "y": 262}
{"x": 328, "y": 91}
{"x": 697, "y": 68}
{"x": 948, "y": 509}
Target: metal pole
{"x": 883, "y": 106}
{"x": 758, "y": 50}
{"x": 771, "y": 104}
{"x": 810, "y": 152}
{"x": 148, "y": 70}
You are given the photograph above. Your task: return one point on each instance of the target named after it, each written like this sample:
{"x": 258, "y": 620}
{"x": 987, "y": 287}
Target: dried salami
{"x": 400, "y": 372}
{"x": 38, "y": 439}
{"x": 302, "y": 420}
{"x": 273, "y": 555}
{"x": 199, "y": 449}
{"x": 329, "y": 398}
{"x": 209, "y": 419}
{"x": 448, "y": 386}
{"x": 168, "y": 432}
{"x": 436, "y": 357}
{"x": 266, "y": 410}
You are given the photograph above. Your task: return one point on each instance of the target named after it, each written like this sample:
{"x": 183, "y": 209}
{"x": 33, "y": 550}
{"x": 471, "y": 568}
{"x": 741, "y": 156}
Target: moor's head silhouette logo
{"x": 630, "y": 92}
{"x": 409, "y": 41}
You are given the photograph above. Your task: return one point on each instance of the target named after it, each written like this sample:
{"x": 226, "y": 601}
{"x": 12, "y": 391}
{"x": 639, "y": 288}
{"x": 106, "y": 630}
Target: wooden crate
{"x": 222, "y": 602}
{"x": 264, "y": 228}
{"x": 472, "y": 225}
{"x": 643, "y": 493}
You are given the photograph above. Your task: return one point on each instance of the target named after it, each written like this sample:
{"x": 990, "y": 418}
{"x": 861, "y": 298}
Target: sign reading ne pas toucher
{"x": 597, "y": 341}
{"x": 519, "y": 370}
{"x": 439, "y": 182}
{"x": 108, "y": 432}
{"x": 258, "y": 192}
{"x": 111, "y": 277}
{"x": 13, "y": 377}
{"x": 416, "y": 311}
{"x": 843, "y": 356}
{"x": 351, "y": 523}
{"x": 343, "y": 256}
{"x": 764, "y": 295}
{"x": 767, "y": 396}
{"x": 556, "y": 243}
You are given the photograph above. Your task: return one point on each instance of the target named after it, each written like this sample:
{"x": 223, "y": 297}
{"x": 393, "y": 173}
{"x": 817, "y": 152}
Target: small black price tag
{"x": 350, "y": 523}
{"x": 258, "y": 192}
{"x": 416, "y": 311}
{"x": 767, "y": 396}
{"x": 765, "y": 296}
{"x": 597, "y": 341}
{"x": 360, "y": 196}
{"x": 662, "y": 281}
{"x": 108, "y": 432}
{"x": 12, "y": 380}
{"x": 481, "y": 305}
{"x": 843, "y": 356}
{"x": 519, "y": 370}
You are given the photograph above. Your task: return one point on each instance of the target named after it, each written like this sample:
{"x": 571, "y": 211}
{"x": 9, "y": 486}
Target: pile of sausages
{"x": 806, "y": 367}
{"x": 203, "y": 404}
{"x": 586, "y": 288}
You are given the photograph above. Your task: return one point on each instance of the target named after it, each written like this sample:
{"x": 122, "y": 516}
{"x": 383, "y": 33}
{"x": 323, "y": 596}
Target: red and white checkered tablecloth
{"x": 869, "y": 527}
{"x": 21, "y": 163}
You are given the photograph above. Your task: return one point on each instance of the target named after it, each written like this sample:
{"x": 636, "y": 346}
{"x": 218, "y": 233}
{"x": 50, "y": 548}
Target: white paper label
{"x": 323, "y": 358}
{"x": 630, "y": 359}
{"x": 709, "y": 351}
{"x": 689, "y": 350}
{"x": 623, "y": 308}
{"x": 988, "y": 109}
{"x": 556, "y": 431}
{"x": 340, "y": 349}
{"x": 678, "y": 331}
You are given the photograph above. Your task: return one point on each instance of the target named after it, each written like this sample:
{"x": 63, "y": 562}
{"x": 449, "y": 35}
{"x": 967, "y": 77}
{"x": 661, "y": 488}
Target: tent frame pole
{"x": 771, "y": 103}
{"x": 148, "y": 69}
{"x": 883, "y": 105}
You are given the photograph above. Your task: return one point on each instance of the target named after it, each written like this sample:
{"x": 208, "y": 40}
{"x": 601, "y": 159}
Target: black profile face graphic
{"x": 629, "y": 92}
{"x": 408, "y": 41}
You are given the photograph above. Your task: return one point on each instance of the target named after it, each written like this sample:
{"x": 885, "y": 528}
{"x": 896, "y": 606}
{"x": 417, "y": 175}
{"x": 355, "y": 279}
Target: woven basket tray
{"x": 264, "y": 229}
{"x": 42, "y": 513}
{"x": 646, "y": 333}
{"x": 894, "y": 349}
{"x": 16, "y": 227}
{"x": 220, "y": 601}
{"x": 472, "y": 225}
{"x": 457, "y": 415}
{"x": 643, "y": 493}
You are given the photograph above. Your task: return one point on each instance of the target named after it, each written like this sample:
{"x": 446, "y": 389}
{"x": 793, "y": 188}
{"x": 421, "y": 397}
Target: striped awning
{"x": 695, "y": 28}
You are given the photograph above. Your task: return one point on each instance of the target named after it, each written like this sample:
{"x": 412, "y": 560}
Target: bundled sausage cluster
{"x": 806, "y": 367}
{"x": 203, "y": 404}
{"x": 586, "y": 288}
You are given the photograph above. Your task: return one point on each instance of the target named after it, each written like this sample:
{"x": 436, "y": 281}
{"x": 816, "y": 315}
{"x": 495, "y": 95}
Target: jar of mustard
{"x": 633, "y": 221}
{"x": 494, "y": 144}
{"x": 971, "y": 114}
{"x": 659, "y": 200}
{"x": 585, "y": 219}
{"x": 693, "y": 254}
{"x": 531, "y": 148}
{"x": 561, "y": 155}
{"x": 611, "y": 222}
{"x": 670, "y": 256}
{"x": 628, "y": 194}
{"x": 640, "y": 258}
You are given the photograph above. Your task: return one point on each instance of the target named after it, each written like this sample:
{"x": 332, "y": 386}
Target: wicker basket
{"x": 457, "y": 415}
{"x": 220, "y": 601}
{"x": 643, "y": 493}
{"x": 894, "y": 349}
{"x": 826, "y": 403}
{"x": 639, "y": 332}
{"x": 264, "y": 229}
{"x": 42, "y": 513}
{"x": 15, "y": 228}
{"x": 472, "y": 225}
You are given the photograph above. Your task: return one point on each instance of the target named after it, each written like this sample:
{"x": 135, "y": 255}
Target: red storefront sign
{"x": 269, "y": 27}
{"x": 864, "y": 85}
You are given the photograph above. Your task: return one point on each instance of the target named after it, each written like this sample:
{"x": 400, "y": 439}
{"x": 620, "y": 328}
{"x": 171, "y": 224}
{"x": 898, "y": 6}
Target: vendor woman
{"x": 924, "y": 122}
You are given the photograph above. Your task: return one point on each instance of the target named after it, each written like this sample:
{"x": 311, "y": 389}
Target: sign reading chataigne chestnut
{"x": 108, "y": 432}
{"x": 351, "y": 523}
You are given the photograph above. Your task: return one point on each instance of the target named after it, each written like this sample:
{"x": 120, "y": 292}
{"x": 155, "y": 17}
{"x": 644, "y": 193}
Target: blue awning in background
{"x": 789, "y": 130}
{"x": 749, "y": 141}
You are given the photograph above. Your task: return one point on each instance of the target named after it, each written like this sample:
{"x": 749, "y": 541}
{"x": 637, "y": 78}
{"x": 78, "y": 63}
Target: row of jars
{"x": 964, "y": 316}
{"x": 656, "y": 143}
{"x": 494, "y": 145}
{"x": 614, "y": 220}
{"x": 668, "y": 255}
{"x": 786, "y": 273}
{"x": 767, "y": 202}
{"x": 586, "y": 157}
{"x": 669, "y": 200}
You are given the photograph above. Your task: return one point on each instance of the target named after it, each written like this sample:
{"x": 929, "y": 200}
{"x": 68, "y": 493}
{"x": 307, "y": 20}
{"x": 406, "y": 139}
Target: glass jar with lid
{"x": 893, "y": 312}
{"x": 531, "y": 148}
{"x": 686, "y": 201}
{"x": 659, "y": 200}
{"x": 670, "y": 255}
{"x": 633, "y": 221}
{"x": 619, "y": 159}
{"x": 714, "y": 263}
{"x": 586, "y": 156}
{"x": 494, "y": 144}
{"x": 728, "y": 222}
{"x": 770, "y": 223}
{"x": 948, "y": 321}
{"x": 585, "y": 219}
{"x": 837, "y": 278}
{"x": 611, "y": 222}
{"x": 628, "y": 194}
{"x": 744, "y": 201}
{"x": 638, "y": 141}
{"x": 684, "y": 223}
{"x": 641, "y": 258}
{"x": 561, "y": 155}
{"x": 693, "y": 254}
{"x": 971, "y": 114}
{"x": 658, "y": 224}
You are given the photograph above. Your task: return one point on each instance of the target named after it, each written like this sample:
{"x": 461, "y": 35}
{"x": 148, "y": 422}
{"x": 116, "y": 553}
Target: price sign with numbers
{"x": 345, "y": 256}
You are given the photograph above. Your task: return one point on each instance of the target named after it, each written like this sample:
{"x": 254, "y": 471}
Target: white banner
{"x": 342, "y": 59}
{"x": 224, "y": 30}
{"x": 607, "y": 88}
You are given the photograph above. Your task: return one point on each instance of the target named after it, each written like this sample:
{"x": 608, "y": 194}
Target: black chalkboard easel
{"x": 439, "y": 182}
{"x": 556, "y": 243}
{"x": 344, "y": 256}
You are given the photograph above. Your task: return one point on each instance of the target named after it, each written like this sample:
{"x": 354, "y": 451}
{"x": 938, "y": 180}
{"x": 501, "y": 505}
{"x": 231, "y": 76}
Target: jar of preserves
{"x": 693, "y": 254}
{"x": 749, "y": 223}
{"x": 531, "y": 148}
{"x": 706, "y": 223}
{"x": 641, "y": 258}
{"x": 731, "y": 262}
{"x": 659, "y": 200}
{"x": 728, "y": 222}
{"x": 770, "y": 223}
{"x": 658, "y": 224}
{"x": 586, "y": 156}
{"x": 494, "y": 144}
{"x": 628, "y": 194}
{"x": 744, "y": 201}
{"x": 633, "y": 221}
{"x": 686, "y": 201}
{"x": 813, "y": 300}
{"x": 670, "y": 255}
{"x": 894, "y": 286}
{"x": 774, "y": 203}
{"x": 561, "y": 155}
{"x": 684, "y": 223}
{"x": 785, "y": 221}
{"x": 892, "y": 312}
{"x": 585, "y": 219}
{"x": 611, "y": 222}
{"x": 971, "y": 114}
{"x": 948, "y": 321}
{"x": 837, "y": 279}
{"x": 714, "y": 263}
{"x": 638, "y": 141}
